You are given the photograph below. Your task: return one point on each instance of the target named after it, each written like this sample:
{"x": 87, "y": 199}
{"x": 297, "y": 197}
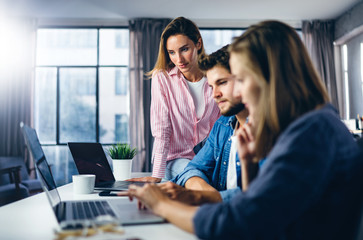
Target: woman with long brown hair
{"x": 182, "y": 107}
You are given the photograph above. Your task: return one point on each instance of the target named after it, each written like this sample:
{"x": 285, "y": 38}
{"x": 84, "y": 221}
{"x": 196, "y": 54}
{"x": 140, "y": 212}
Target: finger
{"x": 170, "y": 193}
{"x": 167, "y": 186}
{"x": 140, "y": 205}
{"x": 132, "y": 179}
{"x": 132, "y": 192}
{"x": 134, "y": 187}
{"x": 249, "y": 132}
{"x": 241, "y": 136}
{"x": 123, "y": 194}
{"x": 246, "y": 135}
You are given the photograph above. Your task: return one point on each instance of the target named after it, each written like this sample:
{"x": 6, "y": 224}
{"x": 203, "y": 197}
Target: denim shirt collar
{"x": 232, "y": 121}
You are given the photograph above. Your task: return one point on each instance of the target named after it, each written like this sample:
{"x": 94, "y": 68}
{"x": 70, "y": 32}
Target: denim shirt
{"x": 308, "y": 188}
{"x": 211, "y": 162}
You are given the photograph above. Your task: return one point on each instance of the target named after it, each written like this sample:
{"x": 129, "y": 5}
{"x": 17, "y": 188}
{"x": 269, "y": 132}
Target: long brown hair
{"x": 290, "y": 85}
{"x": 182, "y": 26}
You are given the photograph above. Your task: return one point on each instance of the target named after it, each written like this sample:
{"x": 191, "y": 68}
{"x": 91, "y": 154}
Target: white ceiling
{"x": 203, "y": 12}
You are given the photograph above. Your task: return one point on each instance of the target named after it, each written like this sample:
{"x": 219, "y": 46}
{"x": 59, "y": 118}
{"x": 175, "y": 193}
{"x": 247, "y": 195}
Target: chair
{"x": 11, "y": 189}
{"x": 34, "y": 186}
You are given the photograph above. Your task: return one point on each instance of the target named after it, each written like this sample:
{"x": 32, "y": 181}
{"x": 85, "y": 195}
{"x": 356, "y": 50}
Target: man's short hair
{"x": 217, "y": 58}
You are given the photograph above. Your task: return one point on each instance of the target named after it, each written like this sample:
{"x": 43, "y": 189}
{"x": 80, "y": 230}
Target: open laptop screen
{"x": 49, "y": 186}
{"x": 91, "y": 159}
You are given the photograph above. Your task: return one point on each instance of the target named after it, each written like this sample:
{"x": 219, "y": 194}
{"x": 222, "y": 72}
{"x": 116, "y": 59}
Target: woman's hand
{"x": 246, "y": 146}
{"x": 145, "y": 179}
{"x": 149, "y": 195}
{"x": 157, "y": 201}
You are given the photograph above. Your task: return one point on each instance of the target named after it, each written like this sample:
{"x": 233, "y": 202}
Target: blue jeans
{"x": 174, "y": 167}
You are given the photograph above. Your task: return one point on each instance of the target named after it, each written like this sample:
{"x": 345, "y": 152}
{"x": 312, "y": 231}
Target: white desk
{"x": 33, "y": 218}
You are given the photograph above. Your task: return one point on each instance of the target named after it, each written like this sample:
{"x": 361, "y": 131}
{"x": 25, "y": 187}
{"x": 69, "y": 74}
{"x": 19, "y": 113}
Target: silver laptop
{"x": 74, "y": 214}
{"x": 91, "y": 159}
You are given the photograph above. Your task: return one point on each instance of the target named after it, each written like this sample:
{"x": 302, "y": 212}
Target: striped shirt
{"x": 173, "y": 119}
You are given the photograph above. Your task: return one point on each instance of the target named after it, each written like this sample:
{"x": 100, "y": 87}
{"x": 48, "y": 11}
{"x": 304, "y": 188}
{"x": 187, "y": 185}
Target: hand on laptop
{"x": 148, "y": 196}
{"x": 190, "y": 196}
{"x": 145, "y": 179}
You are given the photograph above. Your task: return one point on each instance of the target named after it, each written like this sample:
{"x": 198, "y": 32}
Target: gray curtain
{"x": 318, "y": 37}
{"x": 144, "y": 46}
{"x": 16, "y": 84}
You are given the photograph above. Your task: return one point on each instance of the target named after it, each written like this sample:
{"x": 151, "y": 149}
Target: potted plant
{"x": 122, "y": 155}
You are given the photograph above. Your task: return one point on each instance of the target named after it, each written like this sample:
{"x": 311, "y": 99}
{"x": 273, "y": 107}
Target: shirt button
{"x": 238, "y": 163}
{"x": 224, "y": 163}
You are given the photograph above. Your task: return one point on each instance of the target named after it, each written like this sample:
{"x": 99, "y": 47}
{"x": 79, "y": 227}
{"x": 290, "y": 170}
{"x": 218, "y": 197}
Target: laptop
{"x": 75, "y": 214}
{"x": 90, "y": 158}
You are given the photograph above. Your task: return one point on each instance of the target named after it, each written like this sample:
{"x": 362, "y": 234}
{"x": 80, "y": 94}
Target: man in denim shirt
{"x": 211, "y": 169}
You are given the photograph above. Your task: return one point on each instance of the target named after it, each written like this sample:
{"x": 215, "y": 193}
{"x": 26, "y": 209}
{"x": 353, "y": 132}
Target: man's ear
{"x": 199, "y": 44}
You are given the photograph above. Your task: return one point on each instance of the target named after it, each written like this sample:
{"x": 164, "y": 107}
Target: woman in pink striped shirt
{"x": 182, "y": 107}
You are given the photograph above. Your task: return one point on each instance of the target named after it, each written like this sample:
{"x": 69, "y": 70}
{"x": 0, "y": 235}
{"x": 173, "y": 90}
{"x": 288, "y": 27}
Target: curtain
{"x": 318, "y": 37}
{"x": 17, "y": 54}
{"x": 144, "y": 46}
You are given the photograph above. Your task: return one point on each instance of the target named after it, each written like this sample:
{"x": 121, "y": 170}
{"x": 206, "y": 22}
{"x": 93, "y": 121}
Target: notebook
{"x": 90, "y": 158}
{"x": 73, "y": 214}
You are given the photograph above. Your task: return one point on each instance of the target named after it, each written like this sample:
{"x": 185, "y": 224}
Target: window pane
{"x": 361, "y": 62}
{"x": 61, "y": 162}
{"x": 346, "y": 80}
{"x": 67, "y": 47}
{"x": 215, "y": 39}
{"x": 45, "y": 98}
{"x": 114, "y": 47}
{"x": 122, "y": 128}
{"x": 77, "y": 104}
{"x": 121, "y": 81}
{"x": 111, "y": 103}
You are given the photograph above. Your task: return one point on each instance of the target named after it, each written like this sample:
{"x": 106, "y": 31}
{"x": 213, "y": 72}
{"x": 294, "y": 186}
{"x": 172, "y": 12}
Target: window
{"x": 346, "y": 80}
{"x": 122, "y": 129}
{"x": 214, "y": 39}
{"x": 361, "y": 62}
{"x": 81, "y": 91}
{"x": 121, "y": 81}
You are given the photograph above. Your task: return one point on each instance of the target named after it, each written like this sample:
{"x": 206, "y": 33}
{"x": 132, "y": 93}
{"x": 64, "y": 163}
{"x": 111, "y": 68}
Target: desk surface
{"x": 33, "y": 218}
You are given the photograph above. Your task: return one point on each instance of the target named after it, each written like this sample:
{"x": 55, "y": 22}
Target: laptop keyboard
{"x": 126, "y": 184}
{"x": 90, "y": 209}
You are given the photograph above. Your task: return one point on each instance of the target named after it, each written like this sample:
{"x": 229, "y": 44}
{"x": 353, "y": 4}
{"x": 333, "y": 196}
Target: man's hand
{"x": 180, "y": 193}
{"x": 189, "y": 196}
{"x": 145, "y": 179}
{"x": 197, "y": 183}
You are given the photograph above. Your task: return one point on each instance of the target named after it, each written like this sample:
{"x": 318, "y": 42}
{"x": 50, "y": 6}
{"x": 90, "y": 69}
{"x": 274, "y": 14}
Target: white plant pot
{"x": 122, "y": 168}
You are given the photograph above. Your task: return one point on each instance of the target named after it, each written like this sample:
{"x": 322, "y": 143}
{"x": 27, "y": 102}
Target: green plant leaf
{"x": 122, "y": 151}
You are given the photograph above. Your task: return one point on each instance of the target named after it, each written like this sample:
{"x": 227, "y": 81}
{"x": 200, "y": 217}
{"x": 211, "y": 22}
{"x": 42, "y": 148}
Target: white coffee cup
{"x": 83, "y": 183}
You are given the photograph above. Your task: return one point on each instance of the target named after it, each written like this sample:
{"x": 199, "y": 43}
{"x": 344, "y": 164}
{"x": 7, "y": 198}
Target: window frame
{"x": 97, "y": 67}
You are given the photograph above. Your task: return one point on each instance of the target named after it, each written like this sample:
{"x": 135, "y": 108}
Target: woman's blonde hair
{"x": 182, "y": 26}
{"x": 289, "y": 83}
